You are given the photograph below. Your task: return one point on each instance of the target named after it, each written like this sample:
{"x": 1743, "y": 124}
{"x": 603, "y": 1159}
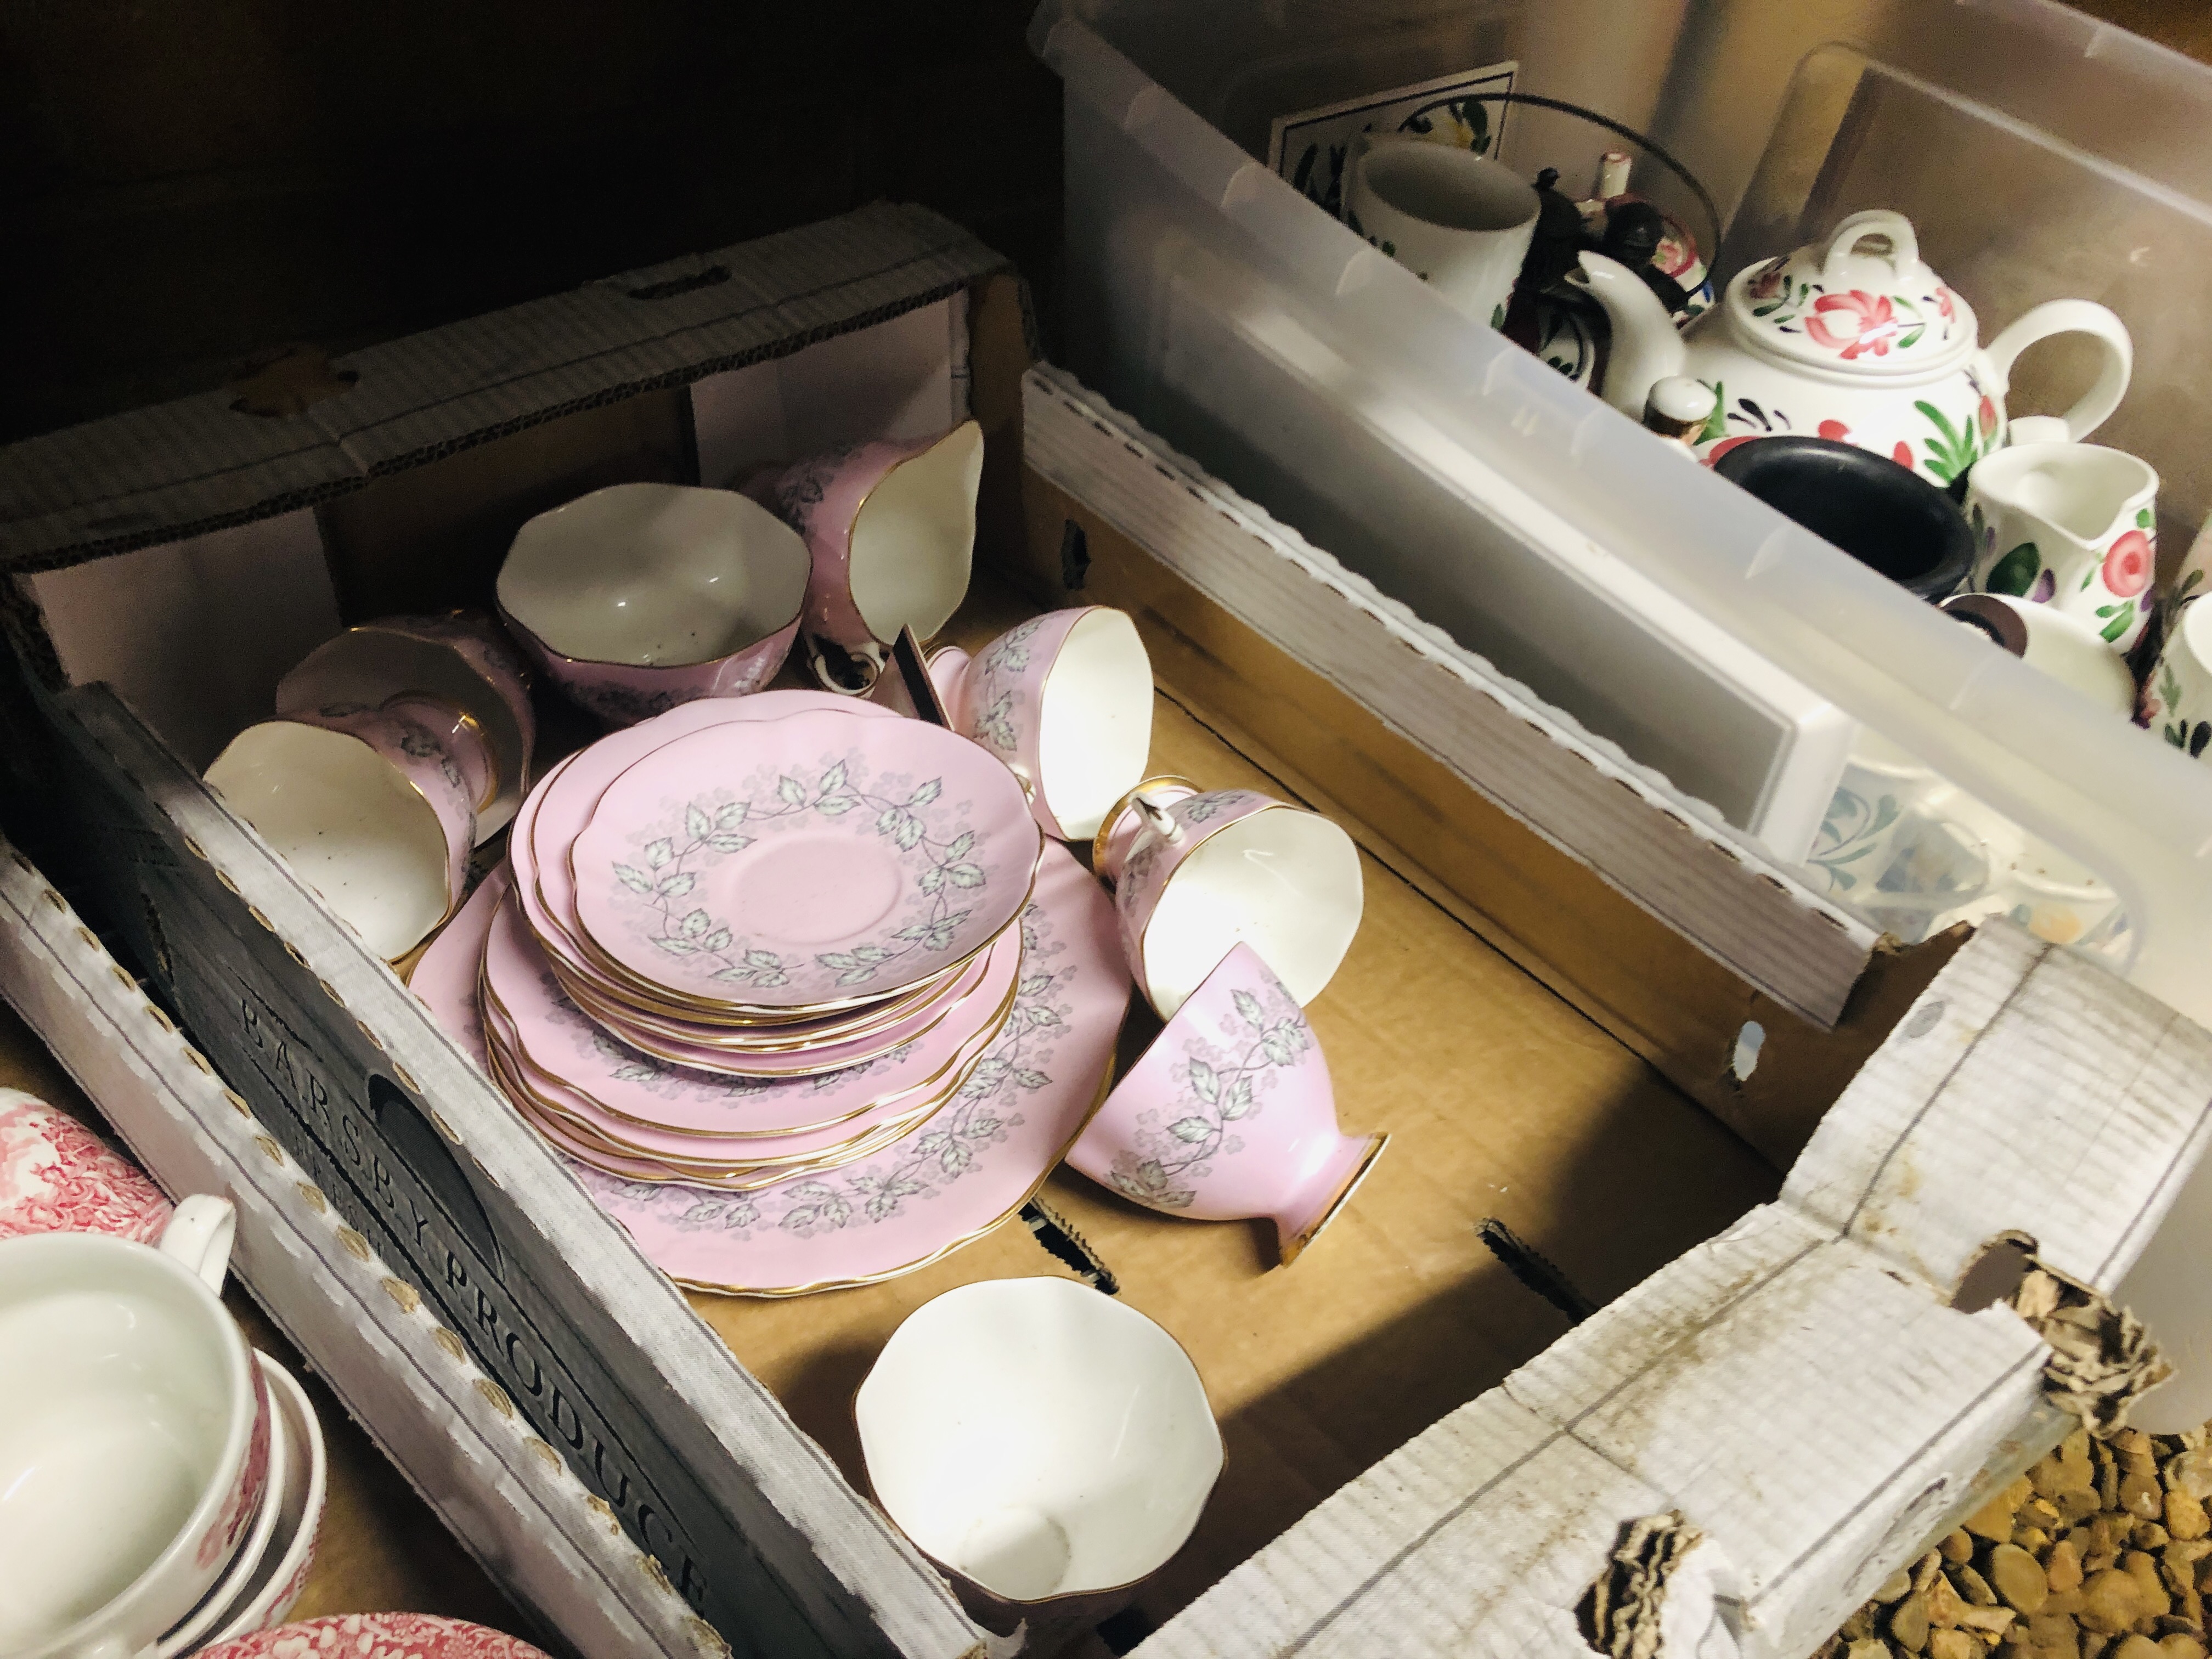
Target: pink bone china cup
{"x": 368, "y": 810}
{"x": 57, "y": 1176}
{"x": 134, "y": 1435}
{"x": 1205, "y": 871}
{"x": 640, "y": 596}
{"x": 463, "y": 660}
{"x": 1065, "y": 701}
{"x": 891, "y": 530}
{"x": 1230, "y": 1115}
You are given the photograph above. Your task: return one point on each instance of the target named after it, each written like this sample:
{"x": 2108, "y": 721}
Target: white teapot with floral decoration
{"x": 1854, "y": 339}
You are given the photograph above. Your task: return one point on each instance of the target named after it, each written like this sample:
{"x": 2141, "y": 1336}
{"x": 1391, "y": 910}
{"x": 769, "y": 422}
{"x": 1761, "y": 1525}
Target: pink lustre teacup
{"x": 368, "y": 809}
{"x": 464, "y": 660}
{"x": 639, "y": 597}
{"x": 134, "y": 1435}
{"x": 1065, "y": 699}
{"x": 891, "y": 530}
{"x": 1205, "y": 871}
{"x": 1229, "y": 1114}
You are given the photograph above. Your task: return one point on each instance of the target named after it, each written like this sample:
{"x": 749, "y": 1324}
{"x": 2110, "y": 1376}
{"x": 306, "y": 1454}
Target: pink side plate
{"x": 964, "y": 1171}
{"x": 57, "y": 1176}
{"x": 376, "y": 1636}
{"x": 798, "y": 861}
{"x": 580, "y": 1099}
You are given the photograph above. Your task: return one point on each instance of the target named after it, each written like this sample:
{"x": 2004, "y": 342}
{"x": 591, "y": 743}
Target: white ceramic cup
{"x": 1044, "y": 1442}
{"x": 1458, "y": 221}
{"x": 133, "y": 1435}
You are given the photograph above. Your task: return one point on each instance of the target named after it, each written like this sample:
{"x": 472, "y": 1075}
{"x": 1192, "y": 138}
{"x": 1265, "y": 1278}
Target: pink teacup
{"x": 1065, "y": 699}
{"x": 890, "y": 529}
{"x": 1229, "y": 1114}
{"x": 462, "y": 659}
{"x": 640, "y": 596}
{"x": 1197, "y": 873}
{"x": 371, "y": 809}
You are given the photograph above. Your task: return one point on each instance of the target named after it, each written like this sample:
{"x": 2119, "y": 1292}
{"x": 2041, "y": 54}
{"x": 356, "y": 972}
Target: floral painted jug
{"x": 1854, "y": 339}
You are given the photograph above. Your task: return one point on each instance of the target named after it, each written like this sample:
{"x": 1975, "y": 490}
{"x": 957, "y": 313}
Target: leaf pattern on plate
{"x": 951, "y": 1144}
{"x": 666, "y": 870}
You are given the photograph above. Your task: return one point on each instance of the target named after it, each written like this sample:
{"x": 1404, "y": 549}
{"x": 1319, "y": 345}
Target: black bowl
{"x": 1885, "y": 516}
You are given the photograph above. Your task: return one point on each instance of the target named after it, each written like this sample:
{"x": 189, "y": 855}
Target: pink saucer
{"x": 57, "y": 1176}
{"x": 960, "y": 1173}
{"x": 643, "y": 1095}
{"x": 801, "y": 861}
{"x": 564, "y": 801}
{"x": 376, "y": 1636}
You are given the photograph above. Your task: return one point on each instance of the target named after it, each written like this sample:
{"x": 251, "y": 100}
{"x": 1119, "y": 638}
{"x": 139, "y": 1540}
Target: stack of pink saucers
{"x": 772, "y": 970}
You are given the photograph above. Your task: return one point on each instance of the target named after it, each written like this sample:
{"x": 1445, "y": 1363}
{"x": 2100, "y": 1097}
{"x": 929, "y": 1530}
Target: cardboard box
{"x": 717, "y": 1435}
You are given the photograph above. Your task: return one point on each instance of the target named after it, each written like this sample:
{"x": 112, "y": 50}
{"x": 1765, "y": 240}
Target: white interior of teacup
{"x": 1442, "y": 186}
{"x": 914, "y": 535}
{"x": 122, "y": 1407}
{"x": 1095, "y": 724}
{"x": 1283, "y": 881}
{"x": 654, "y": 576}
{"x": 347, "y": 822}
{"x": 2077, "y": 487}
{"x": 1038, "y": 1436}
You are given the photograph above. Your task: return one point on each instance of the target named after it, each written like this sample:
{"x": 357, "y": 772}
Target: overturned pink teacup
{"x": 1197, "y": 872}
{"x": 462, "y": 659}
{"x": 890, "y": 529}
{"x": 1230, "y": 1115}
{"x": 1065, "y": 701}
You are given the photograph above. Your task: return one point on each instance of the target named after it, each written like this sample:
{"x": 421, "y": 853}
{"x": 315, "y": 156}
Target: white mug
{"x": 134, "y": 1435}
{"x": 1458, "y": 221}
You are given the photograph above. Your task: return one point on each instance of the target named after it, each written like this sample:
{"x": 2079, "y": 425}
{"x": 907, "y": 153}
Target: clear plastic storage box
{"x": 2040, "y": 155}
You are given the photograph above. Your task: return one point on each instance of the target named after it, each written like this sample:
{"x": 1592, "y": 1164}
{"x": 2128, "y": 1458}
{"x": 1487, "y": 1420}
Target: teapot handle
{"x": 2072, "y": 317}
{"x": 1893, "y": 227}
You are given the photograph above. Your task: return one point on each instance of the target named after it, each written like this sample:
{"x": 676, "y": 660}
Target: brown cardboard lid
{"x": 204, "y": 462}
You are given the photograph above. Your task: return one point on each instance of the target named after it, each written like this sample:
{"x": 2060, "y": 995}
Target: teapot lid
{"x": 1862, "y": 302}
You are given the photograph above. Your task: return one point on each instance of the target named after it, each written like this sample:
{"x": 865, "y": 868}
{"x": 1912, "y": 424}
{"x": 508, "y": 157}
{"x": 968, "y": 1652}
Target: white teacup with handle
{"x": 1460, "y": 221}
{"x": 134, "y": 1435}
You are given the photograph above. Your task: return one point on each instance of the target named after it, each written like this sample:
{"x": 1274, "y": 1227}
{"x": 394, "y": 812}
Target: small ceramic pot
{"x": 640, "y": 596}
{"x": 464, "y": 660}
{"x": 273, "y": 1588}
{"x": 1458, "y": 221}
{"x": 134, "y": 1435}
{"x": 2177, "y": 697}
{"x": 1881, "y": 785}
{"x": 2074, "y": 526}
{"x": 1885, "y": 516}
{"x": 1208, "y": 871}
{"x": 2052, "y": 643}
{"x": 1050, "y": 1447}
{"x": 890, "y": 530}
{"x": 1229, "y": 1114}
{"x": 1065, "y": 699}
{"x": 382, "y": 834}
{"x": 57, "y": 1176}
